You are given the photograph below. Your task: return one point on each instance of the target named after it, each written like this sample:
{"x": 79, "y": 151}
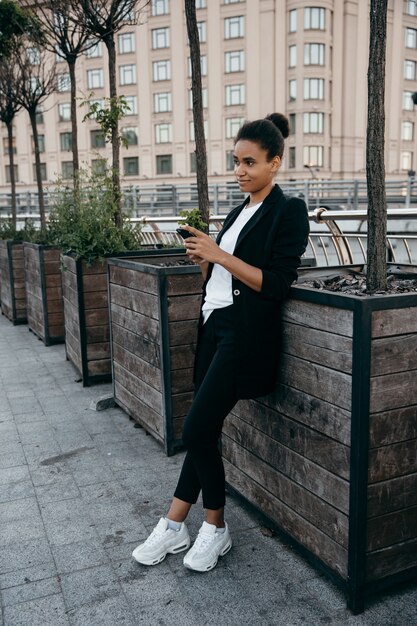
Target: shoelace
{"x": 154, "y": 536}
{"x": 203, "y": 541}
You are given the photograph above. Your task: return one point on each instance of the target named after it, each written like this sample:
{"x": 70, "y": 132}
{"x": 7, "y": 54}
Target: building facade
{"x": 306, "y": 58}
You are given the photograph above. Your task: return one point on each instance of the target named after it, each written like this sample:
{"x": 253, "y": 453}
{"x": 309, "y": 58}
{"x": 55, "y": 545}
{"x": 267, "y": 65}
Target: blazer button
{"x": 236, "y": 292}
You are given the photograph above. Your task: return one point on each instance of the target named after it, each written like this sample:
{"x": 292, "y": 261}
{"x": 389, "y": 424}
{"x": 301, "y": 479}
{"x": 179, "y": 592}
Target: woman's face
{"x": 253, "y": 171}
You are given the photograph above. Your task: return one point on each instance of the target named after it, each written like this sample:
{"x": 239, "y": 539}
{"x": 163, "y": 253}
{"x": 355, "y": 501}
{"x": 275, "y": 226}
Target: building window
{"x": 408, "y": 104}
{"x": 407, "y": 131}
{"x": 65, "y": 141}
{"x": 200, "y": 4}
{"x": 232, "y": 1}
{"x": 39, "y": 115}
{"x": 16, "y": 173}
{"x": 313, "y": 156}
{"x": 161, "y": 70}
{"x": 411, "y": 7}
{"x": 202, "y": 31}
{"x": 95, "y": 79}
{"x": 293, "y": 123}
{"x": 292, "y": 56}
{"x": 97, "y": 139}
{"x": 67, "y": 169}
{"x": 162, "y": 102}
{"x": 205, "y": 98}
{"x": 33, "y": 56}
{"x": 409, "y": 70}
{"x": 230, "y": 161}
{"x": 291, "y": 157}
{"x": 232, "y": 126}
{"x": 131, "y": 166}
{"x": 132, "y": 103}
{"x": 193, "y": 163}
{"x": 234, "y": 27}
{"x": 235, "y": 94}
{"x": 63, "y": 82}
{"x": 160, "y": 38}
{"x": 203, "y": 66}
{"x": 41, "y": 143}
{"x": 163, "y": 133}
{"x": 234, "y": 61}
{"x": 164, "y": 164}
{"x": 64, "y": 111}
{"x": 292, "y": 90}
{"x": 127, "y": 74}
{"x": 313, "y": 123}
{"x": 99, "y": 166}
{"x": 292, "y": 27}
{"x": 130, "y": 134}
{"x": 314, "y": 89}
{"x": 410, "y": 38}
{"x": 314, "y": 54}
{"x": 126, "y": 43}
{"x": 406, "y": 160}
{"x": 43, "y": 171}
{"x": 192, "y": 129}
{"x": 6, "y": 145}
{"x": 160, "y": 7}
{"x": 314, "y": 18}
{"x": 100, "y": 104}
{"x": 95, "y": 51}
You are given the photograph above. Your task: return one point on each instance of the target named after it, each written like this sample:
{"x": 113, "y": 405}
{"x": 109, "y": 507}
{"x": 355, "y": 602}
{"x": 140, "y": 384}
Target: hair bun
{"x": 281, "y": 122}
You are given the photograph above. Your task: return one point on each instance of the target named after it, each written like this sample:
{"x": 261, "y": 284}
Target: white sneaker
{"x": 207, "y": 548}
{"x": 162, "y": 541}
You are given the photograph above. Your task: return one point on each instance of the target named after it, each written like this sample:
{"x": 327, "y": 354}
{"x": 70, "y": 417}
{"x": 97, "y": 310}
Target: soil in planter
{"x": 354, "y": 284}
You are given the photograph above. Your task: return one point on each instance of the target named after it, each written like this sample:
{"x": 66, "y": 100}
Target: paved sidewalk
{"x": 79, "y": 489}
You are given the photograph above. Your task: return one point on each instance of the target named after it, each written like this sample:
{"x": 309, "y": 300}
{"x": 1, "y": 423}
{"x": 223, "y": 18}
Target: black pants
{"x": 214, "y": 398}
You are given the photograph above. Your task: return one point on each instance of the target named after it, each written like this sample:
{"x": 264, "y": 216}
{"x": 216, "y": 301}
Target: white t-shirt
{"x": 219, "y": 287}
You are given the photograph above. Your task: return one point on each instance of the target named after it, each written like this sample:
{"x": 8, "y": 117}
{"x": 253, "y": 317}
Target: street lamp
{"x": 308, "y": 166}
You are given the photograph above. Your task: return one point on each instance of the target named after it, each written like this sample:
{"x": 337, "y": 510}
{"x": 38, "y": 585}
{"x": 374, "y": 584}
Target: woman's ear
{"x": 276, "y": 163}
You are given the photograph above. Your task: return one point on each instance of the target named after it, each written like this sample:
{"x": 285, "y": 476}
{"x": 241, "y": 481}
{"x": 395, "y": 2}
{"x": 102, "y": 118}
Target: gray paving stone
{"x": 25, "y": 553}
{"x": 48, "y": 611}
{"x": 63, "y": 532}
{"x": 20, "y": 509}
{"x": 30, "y": 591}
{"x": 107, "y": 612}
{"x": 26, "y": 575}
{"x": 63, "y": 489}
{"x": 95, "y": 584}
{"x": 80, "y": 555}
{"x": 20, "y": 530}
{"x": 15, "y": 491}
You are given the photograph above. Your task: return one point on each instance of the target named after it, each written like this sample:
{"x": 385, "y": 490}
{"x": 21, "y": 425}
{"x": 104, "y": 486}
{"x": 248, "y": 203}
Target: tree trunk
{"x": 200, "y": 142}
{"x": 12, "y": 174}
{"x": 375, "y": 147}
{"x": 111, "y": 49}
{"x": 74, "y": 130}
{"x": 32, "y": 116}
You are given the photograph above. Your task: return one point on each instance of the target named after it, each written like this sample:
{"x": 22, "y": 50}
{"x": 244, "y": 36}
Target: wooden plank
{"x": 394, "y": 322}
{"x": 150, "y": 374}
{"x": 95, "y": 300}
{"x": 388, "y": 462}
{"x": 96, "y": 267}
{"x": 139, "y": 324}
{"x": 182, "y": 381}
{"x": 99, "y": 367}
{"x": 139, "y": 301}
{"x": 182, "y": 357}
{"x": 97, "y": 317}
{"x": 325, "y": 318}
{"x": 394, "y": 354}
{"x": 183, "y": 332}
{"x": 181, "y": 403}
{"x": 394, "y": 527}
{"x": 304, "y": 472}
{"x": 391, "y": 560}
{"x": 184, "y": 284}
{"x": 96, "y": 351}
{"x": 134, "y": 279}
{"x": 393, "y": 391}
{"x": 316, "y": 380}
{"x": 94, "y": 282}
{"x": 332, "y": 522}
{"x": 301, "y": 530}
{"x": 142, "y": 413}
{"x": 69, "y": 264}
{"x": 183, "y": 307}
{"x": 392, "y": 495}
{"x": 138, "y": 345}
{"x": 309, "y": 443}
{"x": 328, "y": 349}
{"x": 392, "y": 426}
{"x": 98, "y": 333}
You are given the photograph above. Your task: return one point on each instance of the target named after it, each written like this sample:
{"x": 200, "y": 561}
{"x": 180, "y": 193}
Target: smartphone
{"x": 184, "y": 233}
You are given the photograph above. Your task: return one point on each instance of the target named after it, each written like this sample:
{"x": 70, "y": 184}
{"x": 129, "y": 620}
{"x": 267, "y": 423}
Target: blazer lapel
{"x": 270, "y": 202}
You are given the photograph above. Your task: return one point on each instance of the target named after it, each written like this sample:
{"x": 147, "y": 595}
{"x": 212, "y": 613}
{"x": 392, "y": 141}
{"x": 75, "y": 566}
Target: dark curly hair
{"x": 269, "y": 133}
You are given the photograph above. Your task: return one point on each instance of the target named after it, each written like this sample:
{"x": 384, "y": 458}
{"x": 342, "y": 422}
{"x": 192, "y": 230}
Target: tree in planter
{"x": 35, "y": 71}
{"x": 200, "y": 142}
{"x": 375, "y": 145}
{"x": 103, "y": 19}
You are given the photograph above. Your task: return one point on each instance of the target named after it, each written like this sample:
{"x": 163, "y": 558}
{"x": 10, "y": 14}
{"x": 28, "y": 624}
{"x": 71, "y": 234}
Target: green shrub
{"x": 27, "y": 233}
{"x": 193, "y": 218}
{"x": 82, "y": 219}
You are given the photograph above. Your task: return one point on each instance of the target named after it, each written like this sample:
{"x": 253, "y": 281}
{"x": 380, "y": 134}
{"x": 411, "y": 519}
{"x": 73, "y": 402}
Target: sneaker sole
{"x": 225, "y": 550}
{"x": 156, "y": 561}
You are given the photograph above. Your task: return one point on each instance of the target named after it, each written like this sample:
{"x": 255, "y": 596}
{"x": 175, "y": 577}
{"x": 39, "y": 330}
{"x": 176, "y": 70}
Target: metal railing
{"x": 165, "y": 200}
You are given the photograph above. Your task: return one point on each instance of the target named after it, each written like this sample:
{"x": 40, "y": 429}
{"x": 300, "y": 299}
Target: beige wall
{"x": 266, "y": 76}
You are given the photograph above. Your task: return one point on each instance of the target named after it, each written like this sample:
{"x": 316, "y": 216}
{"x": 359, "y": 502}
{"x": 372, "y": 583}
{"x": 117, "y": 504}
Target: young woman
{"x": 248, "y": 272}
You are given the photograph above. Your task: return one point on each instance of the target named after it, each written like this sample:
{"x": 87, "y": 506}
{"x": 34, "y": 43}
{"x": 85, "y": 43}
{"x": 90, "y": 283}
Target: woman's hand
{"x": 202, "y": 246}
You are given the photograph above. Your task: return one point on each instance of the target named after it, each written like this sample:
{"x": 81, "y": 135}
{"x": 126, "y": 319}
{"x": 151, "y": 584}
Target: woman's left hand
{"x": 202, "y": 245}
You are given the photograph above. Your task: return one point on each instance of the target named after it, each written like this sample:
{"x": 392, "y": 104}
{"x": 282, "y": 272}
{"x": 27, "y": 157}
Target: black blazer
{"x": 274, "y": 239}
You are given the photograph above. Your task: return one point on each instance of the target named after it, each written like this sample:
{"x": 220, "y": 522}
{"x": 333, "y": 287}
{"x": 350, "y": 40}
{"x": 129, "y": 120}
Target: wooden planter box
{"x": 12, "y": 281}
{"x": 45, "y": 306}
{"x": 154, "y": 313}
{"x": 331, "y": 456}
